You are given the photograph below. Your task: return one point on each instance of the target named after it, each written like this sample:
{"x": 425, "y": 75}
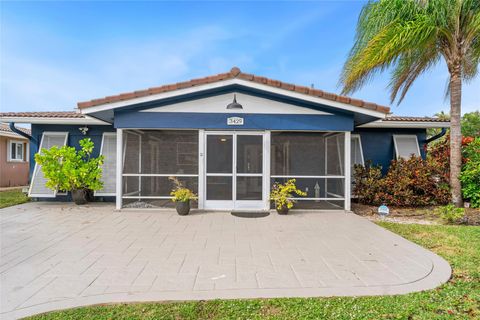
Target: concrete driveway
{"x": 56, "y": 256}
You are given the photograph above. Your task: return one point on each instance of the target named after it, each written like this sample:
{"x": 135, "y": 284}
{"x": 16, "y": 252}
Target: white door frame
{"x": 235, "y": 204}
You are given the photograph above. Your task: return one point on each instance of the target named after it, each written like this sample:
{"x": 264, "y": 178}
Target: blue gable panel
{"x": 180, "y": 120}
{"x": 378, "y": 146}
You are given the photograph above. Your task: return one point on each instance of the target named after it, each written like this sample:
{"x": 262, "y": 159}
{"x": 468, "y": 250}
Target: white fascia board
{"x": 13, "y": 135}
{"x": 224, "y": 83}
{"x": 47, "y": 120}
{"x": 405, "y": 124}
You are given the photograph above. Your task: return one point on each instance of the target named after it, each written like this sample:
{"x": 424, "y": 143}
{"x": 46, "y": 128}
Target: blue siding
{"x": 377, "y": 144}
{"x": 74, "y": 136}
{"x": 181, "y": 120}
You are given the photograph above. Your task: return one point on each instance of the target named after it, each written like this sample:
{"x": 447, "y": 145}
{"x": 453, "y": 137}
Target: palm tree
{"x": 409, "y": 37}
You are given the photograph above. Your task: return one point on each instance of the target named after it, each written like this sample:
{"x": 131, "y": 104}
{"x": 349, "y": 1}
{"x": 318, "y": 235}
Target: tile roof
{"x": 234, "y": 73}
{"x": 47, "y": 114}
{"x": 413, "y": 119}
{"x": 6, "y": 128}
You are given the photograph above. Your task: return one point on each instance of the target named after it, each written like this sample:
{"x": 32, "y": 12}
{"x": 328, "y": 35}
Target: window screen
{"x": 356, "y": 150}
{"x": 37, "y": 186}
{"x": 109, "y": 167}
{"x": 406, "y": 146}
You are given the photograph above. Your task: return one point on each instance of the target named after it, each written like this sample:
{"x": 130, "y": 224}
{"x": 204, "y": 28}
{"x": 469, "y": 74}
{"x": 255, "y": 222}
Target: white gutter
{"x": 405, "y": 124}
{"x": 48, "y": 120}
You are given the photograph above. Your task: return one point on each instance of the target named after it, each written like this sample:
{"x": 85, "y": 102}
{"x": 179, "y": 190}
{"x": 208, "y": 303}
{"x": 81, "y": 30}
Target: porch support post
{"x": 347, "y": 170}
{"x": 118, "y": 180}
{"x": 201, "y": 169}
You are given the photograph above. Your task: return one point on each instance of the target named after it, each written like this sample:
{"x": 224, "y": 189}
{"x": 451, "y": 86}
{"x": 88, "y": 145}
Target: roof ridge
{"x": 234, "y": 72}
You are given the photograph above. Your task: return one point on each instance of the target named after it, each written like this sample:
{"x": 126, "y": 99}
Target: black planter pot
{"x": 282, "y": 210}
{"x": 79, "y": 196}
{"x": 89, "y": 195}
{"x": 183, "y": 207}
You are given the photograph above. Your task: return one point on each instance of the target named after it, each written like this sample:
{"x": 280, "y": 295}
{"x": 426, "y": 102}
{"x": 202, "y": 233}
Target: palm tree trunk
{"x": 455, "y": 136}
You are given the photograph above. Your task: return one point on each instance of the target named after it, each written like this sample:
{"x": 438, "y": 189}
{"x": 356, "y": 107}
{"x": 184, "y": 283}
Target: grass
{"x": 457, "y": 299}
{"x": 12, "y": 197}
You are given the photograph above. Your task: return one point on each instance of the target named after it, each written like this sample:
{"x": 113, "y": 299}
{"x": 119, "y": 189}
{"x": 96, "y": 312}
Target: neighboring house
{"x": 14, "y": 157}
{"x": 228, "y": 137}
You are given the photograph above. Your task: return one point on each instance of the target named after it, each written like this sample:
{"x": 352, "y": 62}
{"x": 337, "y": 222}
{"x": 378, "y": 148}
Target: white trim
{"x": 158, "y": 175}
{"x": 235, "y": 81}
{"x": 37, "y": 167}
{"x": 357, "y": 136}
{"x": 118, "y": 191}
{"x": 308, "y": 177}
{"x": 405, "y": 136}
{"x": 47, "y": 120}
{"x": 347, "y": 171}
{"x": 201, "y": 169}
{"x": 405, "y": 124}
{"x": 9, "y": 151}
{"x": 97, "y": 193}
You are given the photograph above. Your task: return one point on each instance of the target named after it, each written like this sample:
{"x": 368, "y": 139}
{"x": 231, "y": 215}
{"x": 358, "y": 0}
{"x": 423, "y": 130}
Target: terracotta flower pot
{"x": 183, "y": 207}
{"x": 283, "y": 210}
{"x": 79, "y": 196}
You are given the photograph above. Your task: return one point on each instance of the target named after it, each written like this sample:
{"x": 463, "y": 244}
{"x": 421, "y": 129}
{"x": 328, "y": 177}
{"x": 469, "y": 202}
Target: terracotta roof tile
{"x": 54, "y": 114}
{"x": 6, "y": 128}
{"x": 234, "y": 73}
{"x": 414, "y": 119}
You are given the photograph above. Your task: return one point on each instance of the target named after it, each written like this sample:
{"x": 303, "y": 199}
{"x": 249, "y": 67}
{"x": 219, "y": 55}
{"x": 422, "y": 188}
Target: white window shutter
{"x": 109, "y": 167}
{"x": 406, "y": 145}
{"x": 37, "y": 185}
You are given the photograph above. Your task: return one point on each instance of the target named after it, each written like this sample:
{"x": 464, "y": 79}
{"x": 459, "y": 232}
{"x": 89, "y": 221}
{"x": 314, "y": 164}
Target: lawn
{"x": 12, "y": 197}
{"x": 458, "y": 299}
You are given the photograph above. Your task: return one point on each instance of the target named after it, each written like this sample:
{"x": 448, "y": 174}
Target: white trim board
{"x": 251, "y": 104}
{"x": 229, "y": 82}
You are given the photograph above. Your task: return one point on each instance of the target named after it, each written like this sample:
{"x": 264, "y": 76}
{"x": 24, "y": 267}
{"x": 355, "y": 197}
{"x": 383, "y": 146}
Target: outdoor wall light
{"x": 83, "y": 130}
{"x": 234, "y": 104}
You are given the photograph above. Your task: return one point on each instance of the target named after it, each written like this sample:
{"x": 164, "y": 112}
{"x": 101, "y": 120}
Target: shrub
{"x": 412, "y": 182}
{"x": 450, "y": 213}
{"x": 470, "y": 175}
{"x": 180, "y": 193}
{"x": 67, "y": 169}
{"x": 282, "y": 194}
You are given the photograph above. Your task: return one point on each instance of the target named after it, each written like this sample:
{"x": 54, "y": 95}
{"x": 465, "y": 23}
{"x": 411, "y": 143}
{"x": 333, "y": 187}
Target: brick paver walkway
{"x": 59, "y": 255}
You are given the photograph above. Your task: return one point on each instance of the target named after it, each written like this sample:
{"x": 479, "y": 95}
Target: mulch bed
{"x": 423, "y": 215}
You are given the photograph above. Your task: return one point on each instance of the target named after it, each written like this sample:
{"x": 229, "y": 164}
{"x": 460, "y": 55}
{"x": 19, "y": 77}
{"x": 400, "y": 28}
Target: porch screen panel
{"x": 109, "y": 150}
{"x": 315, "y": 160}
{"x": 37, "y": 185}
{"x": 153, "y": 158}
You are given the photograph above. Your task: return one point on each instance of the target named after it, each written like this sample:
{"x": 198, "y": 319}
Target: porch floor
{"x": 57, "y": 255}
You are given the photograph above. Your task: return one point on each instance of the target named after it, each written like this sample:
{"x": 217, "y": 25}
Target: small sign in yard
{"x": 383, "y": 211}
{"x": 235, "y": 121}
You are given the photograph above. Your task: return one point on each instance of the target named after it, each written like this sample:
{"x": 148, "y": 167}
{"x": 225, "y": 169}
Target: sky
{"x": 55, "y": 54}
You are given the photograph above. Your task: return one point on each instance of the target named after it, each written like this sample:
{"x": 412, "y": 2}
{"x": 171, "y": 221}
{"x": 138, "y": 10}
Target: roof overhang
{"x": 87, "y": 120}
{"x": 12, "y": 135}
{"x": 405, "y": 124}
{"x": 101, "y": 110}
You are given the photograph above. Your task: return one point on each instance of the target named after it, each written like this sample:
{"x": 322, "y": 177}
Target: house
{"x": 228, "y": 137}
{"x": 14, "y": 163}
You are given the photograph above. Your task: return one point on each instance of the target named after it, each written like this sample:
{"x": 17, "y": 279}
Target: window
{"x": 37, "y": 186}
{"x": 406, "y": 146}
{"x": 109, "y": 168}
{"x": 16, "y": 151}
{"x": 356, "y": 150}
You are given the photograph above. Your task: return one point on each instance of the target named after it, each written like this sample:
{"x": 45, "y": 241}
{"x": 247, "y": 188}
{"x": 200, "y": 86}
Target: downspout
{"x": 31, "y": 139}
{"x": 21, "y": 133}
{"x": 437, "y": 136}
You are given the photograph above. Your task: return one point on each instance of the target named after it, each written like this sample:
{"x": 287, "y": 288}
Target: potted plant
{"x": 181, "y": 196}
{"x": 282, "y": 194}
{"x": 69, "y": 169}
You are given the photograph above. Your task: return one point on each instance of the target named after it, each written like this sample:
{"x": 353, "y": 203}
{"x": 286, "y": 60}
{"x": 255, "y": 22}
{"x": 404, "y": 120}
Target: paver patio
{"x": 57, "y": 256}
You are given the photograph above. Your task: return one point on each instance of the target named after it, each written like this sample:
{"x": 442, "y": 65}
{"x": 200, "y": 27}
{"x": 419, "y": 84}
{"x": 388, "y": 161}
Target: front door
{"x": 234, "y": 171}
